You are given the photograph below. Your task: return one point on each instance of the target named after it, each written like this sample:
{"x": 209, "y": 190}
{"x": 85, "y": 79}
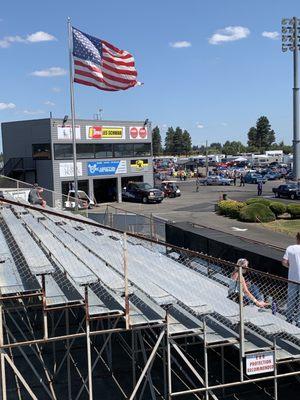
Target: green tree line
{"x": 261, "y": 137}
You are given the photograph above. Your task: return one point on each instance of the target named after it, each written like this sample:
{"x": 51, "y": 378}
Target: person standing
{"x": 234, "y": 178}
{"x": 259, "y": 188}
{"x": 197, "y": 183}
{"x": 242, "y": 180}
{"x": 291, "y": 260}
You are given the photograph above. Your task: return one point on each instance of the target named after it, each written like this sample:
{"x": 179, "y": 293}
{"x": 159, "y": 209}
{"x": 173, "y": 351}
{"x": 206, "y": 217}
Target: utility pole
{"x": 206, "y": 157}
{"x": 290, "y": 41}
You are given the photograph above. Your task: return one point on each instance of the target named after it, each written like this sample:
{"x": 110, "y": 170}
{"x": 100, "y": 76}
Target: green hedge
{"x": 230, "y": 208}
{"x": 259, "y": 200}
{"x": 277, "y": 208}
{"x": 294, "y": 210}
{"x": 256, "y": 212}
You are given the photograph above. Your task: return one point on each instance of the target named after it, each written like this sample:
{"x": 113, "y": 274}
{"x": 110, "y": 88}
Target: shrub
{"x": 230, "y": 208}
{"x": 259, "y": 200}
{"x": 256, "y": 212}
{"x": 277, "y": 208}
{"x": 294, "y": 210}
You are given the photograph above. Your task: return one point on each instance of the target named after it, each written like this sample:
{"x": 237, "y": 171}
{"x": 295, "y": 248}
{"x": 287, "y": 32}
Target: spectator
{"x": 242, "y": 180}
{"x": 291, "y": 260}
{"x": 234, "y": 179}
{"x": 259, "y": 188}
{"x": 35, "y": 197}
{"x": 233, "y": 290}
{"x": 197, "y": 184}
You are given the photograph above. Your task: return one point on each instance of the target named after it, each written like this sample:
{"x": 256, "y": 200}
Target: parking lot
{"x": 198, "y": 208}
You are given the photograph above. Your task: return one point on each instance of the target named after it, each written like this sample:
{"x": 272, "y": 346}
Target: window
{"x": 85, "y": 150}
{"x": 41, "y": 151}
{"x": 103, "y": 150}
{"x": 123, "y": 150}
{"x": 63, "y": 151}
{"x": 142, "y": 149}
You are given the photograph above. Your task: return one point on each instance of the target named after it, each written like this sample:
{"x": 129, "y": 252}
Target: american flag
{"x": 100, "y": 64}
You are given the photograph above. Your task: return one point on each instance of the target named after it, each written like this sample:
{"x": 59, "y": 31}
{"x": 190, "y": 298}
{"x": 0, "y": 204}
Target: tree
{"x": 187, "y": 142}
{"x": 156, "y": 141}
{"x": 262, "y": 136}
{"x": 178, "y": 141}
{"x": 233, "y": 148}
{"x": 169, "y": 141}
{"x": 217, "y": 146}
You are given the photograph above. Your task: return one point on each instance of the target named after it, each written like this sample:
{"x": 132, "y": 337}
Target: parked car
{"x": 140, "y": 191}
{"x": 272, "y": 176}
{"x": 290, "y": 190}
{"x": 216, "y": 180}
{"x": 170, "y": 189}
{"x": 253, "y": 177}
{"x": 84, "y": 201}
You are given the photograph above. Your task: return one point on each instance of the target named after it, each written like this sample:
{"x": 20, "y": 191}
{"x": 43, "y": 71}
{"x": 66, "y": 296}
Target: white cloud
{"x": 271, "y": 35}
{"x": 5, "y": 106}
{"x": 49, "y": 72}
{"x": 8, "y": 40}
{"x": 36, "y": 37}
{"x": 40, "y": 36}
{"x": 224, "y": 123}
{"x": 181, "y": 44}
{"x": 49, "y": 103}
{"x": 33, "y": 112}
{"x": 56, "y": 89}
{"x": 229, "y": 34}
{"x": 199, "y": 125}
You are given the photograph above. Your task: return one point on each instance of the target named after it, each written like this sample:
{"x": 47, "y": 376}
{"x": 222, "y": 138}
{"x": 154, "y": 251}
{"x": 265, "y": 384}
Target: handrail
{"x": 158, "y": 242}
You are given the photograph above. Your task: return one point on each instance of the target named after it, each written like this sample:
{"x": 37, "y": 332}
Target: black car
{"x": 290, "y": 190}
{"x": 140, "y": 191}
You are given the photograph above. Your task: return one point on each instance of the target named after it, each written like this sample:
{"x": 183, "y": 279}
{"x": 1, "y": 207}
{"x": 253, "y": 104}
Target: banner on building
{"x": 66, "y": 170}
{"x": 139, "y": 165}
{"x": 260, "y": 363}
{"x": 105, "y": 132}
{"x": 65, "y": 132}
{"x": 138, "y": 133}
{"x": 106, "y": 167}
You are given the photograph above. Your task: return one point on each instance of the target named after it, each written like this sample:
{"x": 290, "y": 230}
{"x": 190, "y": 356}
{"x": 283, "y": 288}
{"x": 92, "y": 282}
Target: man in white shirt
{"x": 291, "y": 260}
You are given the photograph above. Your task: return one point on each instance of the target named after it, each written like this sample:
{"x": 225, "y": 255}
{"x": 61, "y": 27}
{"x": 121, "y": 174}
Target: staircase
{"x": 18, "y": 166}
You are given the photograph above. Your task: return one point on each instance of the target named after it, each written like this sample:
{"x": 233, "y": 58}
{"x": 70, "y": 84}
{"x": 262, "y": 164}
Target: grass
{"x": 287, "y": 226}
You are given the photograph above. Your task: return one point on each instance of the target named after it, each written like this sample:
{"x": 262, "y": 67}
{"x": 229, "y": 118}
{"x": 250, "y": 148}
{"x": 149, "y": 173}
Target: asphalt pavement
{"x": 199, "y": 208}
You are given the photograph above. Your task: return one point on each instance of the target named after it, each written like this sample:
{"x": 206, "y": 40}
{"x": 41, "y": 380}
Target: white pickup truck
{"x": 84, "y": 201}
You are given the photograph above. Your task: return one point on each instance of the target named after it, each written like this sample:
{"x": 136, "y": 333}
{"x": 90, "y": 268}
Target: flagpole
{"x": 73, "y": 111}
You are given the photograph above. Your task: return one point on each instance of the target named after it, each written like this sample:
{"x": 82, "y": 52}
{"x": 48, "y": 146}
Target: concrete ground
{"x": 198, "y": 208}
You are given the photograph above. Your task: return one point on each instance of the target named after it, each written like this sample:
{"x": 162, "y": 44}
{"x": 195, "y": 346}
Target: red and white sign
{"x": 138, "y": 133}
{"x": 260, "y": 363}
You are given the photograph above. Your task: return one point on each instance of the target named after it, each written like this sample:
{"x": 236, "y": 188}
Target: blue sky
{"x": 205, "y": 65}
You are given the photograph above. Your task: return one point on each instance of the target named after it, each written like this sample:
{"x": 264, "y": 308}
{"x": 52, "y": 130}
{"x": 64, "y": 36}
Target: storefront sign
{"x": 105, "y": 132}
{"x": 139, "y": 165}
{"x": 66, "y": 170}
{"x": 259, "y": 363}
{"x": 65, "y": 132}
{"x": 109, "y": 167}
{"x": 138, "y": 133}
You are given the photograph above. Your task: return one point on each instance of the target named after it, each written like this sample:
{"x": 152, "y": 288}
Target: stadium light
{"x": 290, "y": 30}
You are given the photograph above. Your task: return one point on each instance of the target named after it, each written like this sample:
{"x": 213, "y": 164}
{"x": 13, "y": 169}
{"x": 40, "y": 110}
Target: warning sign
{"x": 259, "y": 363}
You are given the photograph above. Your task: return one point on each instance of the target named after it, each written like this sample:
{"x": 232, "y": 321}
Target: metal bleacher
{"x": 93, "y": 256}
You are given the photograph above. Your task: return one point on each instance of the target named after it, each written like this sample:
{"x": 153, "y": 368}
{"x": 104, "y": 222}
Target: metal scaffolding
{"x": 86, "y": 310}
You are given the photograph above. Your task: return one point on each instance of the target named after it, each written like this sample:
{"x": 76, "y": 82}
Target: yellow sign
{"x": 139, "y": 164}
{"x": 105, "y": 132}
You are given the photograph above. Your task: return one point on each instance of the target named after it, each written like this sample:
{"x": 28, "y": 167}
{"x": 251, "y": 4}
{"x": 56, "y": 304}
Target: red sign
{"x": 133, "y": 133}
{"x": 143, "y": 133}
{"x": 138, "y": 132}
{"x": 95, "y": 132}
